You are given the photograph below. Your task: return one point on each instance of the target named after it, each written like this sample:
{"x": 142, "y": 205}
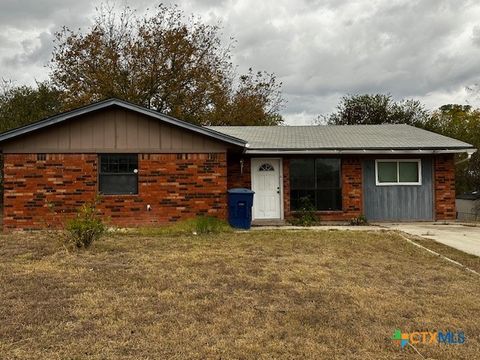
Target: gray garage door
{"x": 398, "y": 202}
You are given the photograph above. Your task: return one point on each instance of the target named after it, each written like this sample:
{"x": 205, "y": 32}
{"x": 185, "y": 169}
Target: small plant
{"x": 86, "y": 227}
{"x": 306, "y": 216}
{"x": 208, "y": 225}
{"x": 359, "y": 221}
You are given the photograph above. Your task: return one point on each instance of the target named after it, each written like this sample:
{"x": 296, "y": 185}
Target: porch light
{"x": 241, "y": 166}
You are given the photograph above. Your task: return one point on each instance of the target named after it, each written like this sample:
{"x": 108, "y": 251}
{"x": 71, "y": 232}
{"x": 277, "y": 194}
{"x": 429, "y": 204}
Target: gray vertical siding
{"x": 398, "y": 202}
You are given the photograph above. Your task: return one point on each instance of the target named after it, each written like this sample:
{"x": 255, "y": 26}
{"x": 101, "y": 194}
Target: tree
{"x": 461, "y": 122}
{"x": 166, "y": 62}
{"x": 256, "y": 101}
{"x": 376, "y": 109}
{"x": 21, "y": 105}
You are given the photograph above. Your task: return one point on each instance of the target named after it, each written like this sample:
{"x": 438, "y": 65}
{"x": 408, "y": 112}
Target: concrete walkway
{"x": 458, "y": 236}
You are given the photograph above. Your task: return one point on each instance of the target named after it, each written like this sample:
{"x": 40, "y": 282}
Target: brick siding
{"x": 286, "y": 188}
{"x": 238, "y": 177}
{"x": 444, "y": 173}
{"x": 41, "y": 193}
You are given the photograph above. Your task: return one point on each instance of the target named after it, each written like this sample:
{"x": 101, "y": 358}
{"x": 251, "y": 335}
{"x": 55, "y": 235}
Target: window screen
{"x": 408, "y": 171}
{"x": 315, "y": 182}
{"x": 387, "y": 172}
{"x": 118, "y": 174}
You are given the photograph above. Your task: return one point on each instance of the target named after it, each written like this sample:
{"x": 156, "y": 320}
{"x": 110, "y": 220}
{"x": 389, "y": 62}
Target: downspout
{"x": 241, "y": 159}
{"x": 469, "y": 155}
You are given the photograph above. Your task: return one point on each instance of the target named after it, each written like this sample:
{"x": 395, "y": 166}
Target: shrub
{"x": 208, "y": 225}
{"x": 199, "y": 225}
{"x": 359, "y": 220}
{"x": 86, "y": 227}
{"x": 306, "y": 215}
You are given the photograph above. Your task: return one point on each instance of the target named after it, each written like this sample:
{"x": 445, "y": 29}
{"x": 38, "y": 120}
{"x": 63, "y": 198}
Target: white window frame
{"x": 419, "y": 164}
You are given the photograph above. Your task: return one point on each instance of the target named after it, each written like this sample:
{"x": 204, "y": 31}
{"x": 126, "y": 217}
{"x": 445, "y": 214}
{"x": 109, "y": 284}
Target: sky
{"x": 320, "y": 50}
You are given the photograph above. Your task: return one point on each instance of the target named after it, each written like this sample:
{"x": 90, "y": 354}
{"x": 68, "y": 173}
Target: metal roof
{"x": 7, "y": 135}
{"x": 343, "y": 139}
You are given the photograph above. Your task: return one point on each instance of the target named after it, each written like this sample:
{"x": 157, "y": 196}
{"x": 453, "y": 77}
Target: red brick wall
{"x": 41, "y": 193}
{"x": 237, "y": 178}
{"x": 177, "y": 186}
{"x": 286, "y": 188}
{"x": 444, "y": 173}
{"x": 352, "y": 201}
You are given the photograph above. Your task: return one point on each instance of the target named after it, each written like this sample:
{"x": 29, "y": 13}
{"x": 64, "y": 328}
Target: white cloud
{"x": 319, "y": 49}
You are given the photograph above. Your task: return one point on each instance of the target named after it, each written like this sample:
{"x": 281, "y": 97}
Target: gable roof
{"x": 321, "y": 139}
{"x": 57, "y": 119}
{"x": 343, "y": 139}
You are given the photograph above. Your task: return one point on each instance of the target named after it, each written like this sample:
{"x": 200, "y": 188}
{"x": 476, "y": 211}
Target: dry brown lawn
{"x": 316, "y": 295}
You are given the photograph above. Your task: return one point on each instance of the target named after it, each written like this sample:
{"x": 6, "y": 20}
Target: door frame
{"x": 280, "y": 182}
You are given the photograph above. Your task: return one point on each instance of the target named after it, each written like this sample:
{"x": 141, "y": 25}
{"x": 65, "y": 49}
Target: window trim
{"x": 398, "y": 182}
{"x": 99, "y": 174}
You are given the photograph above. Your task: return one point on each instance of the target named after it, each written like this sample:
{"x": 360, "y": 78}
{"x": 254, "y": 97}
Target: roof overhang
{"x": 358, "y": 151}
{"x": 125, "y": 105}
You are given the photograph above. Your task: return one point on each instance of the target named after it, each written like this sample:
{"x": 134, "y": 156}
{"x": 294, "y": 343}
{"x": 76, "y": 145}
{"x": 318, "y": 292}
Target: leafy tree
{"x": 461, "y": 122}
{"x": 375, "y": 109}
{"x": 255, "y": 102}
{"x": 166, "y": 62}
{"x": 21, "y": 105}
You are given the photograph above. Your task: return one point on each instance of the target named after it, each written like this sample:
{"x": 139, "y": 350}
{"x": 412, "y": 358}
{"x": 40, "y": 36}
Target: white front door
{"x": 266, "y": 184}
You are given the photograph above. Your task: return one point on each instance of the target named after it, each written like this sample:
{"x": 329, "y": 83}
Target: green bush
{"x": 197, "y": 226}
{"x": 359, "y": 220}
{"x": 85, "y": 228}
{"x": 306, "y": 215}
{"x": 208, "y": 225}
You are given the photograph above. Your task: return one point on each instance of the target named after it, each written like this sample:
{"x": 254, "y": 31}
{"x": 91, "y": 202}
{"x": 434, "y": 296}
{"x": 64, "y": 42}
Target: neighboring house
{"x": 468, "y": 206}
{"x": 152, "y": 169}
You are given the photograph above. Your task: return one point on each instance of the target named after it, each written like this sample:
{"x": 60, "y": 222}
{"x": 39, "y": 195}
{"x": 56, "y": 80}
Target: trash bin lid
{"x": 240, "y": 191}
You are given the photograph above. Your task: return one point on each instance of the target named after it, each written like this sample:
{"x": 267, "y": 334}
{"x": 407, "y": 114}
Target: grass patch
{"x": 197, "y": 226}
{"x": 469, "y": 260}
{"x": 259, "y": 294}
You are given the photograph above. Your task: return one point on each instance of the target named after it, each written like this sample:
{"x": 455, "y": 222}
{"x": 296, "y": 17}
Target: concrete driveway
{"x": 461, "y": 237}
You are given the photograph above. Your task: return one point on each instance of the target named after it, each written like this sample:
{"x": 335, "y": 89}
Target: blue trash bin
{"x": 240, "y": 202}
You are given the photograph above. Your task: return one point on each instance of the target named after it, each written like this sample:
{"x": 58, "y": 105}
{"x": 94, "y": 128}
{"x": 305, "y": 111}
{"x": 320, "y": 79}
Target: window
{"x": 398, "y": 172}
{"x": 118, "y": 174}
{"x": 266, "y": 167}
{"x": 315, "y": 181}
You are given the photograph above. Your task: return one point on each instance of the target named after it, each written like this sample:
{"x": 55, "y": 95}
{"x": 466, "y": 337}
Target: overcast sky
{"x": 319, "y": 49}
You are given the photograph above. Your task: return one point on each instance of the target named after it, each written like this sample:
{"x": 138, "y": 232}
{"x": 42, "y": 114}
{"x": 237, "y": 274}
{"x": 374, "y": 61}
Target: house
{"x": 151, "y": 169}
